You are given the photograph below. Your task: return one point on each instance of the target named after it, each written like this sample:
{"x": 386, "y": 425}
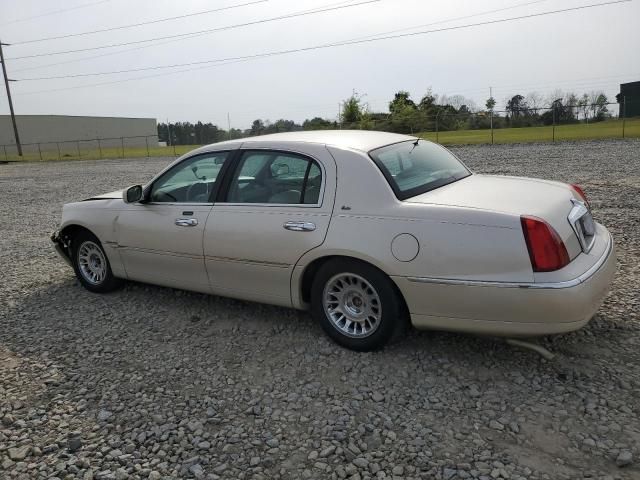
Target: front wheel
{"x": 91, "y": 265}
{"x": 356, "y": 304}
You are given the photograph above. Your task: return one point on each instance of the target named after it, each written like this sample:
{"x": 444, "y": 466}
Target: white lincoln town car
{"x": 364, "y": 229}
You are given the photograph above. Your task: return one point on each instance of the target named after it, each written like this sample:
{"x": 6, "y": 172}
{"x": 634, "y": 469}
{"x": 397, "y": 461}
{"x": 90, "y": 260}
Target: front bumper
{"x": 61, "y": 247}
{"x": 510, "y": 309}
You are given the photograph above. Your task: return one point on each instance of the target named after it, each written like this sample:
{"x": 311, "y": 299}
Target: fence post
{"x": 553, "y": 127}
{"x": 99, "y": 149}
{"x": 78, "y": 147}
{"x": 174, "y": 148}
{"x": 491, "y": 126}
{"x": 40, "y": 151}
{"x": 59, "y": 155}
{"x": 624, "y": 113}
{"x": 6, "y": 157}
{"x": 437, "y": 136}
{"x": 146, "y": 140}
{"x": 122, "y": 142}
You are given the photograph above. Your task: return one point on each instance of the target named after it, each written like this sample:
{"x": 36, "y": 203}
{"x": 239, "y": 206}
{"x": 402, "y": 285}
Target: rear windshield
{"x": 413, "y": 168}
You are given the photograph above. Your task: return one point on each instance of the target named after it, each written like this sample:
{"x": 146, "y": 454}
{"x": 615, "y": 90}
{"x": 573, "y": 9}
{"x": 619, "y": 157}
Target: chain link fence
{"x": 543, "y": 124}
{"x": 93, "y": 148}
{"x": 549, "y": 124}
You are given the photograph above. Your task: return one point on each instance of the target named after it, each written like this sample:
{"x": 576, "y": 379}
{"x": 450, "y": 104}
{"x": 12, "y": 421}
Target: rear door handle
{"x": 300, "y": 226}
{"x": 186, "y": 222}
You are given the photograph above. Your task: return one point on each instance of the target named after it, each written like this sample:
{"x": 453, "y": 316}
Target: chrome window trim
{"x": 532, "y": 285}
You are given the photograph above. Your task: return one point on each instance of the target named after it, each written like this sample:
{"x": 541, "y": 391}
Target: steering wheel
{"x": 193, "y": 195}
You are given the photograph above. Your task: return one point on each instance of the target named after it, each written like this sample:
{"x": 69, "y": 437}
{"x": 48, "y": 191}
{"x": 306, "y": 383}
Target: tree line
{"x": 406, "y": 115}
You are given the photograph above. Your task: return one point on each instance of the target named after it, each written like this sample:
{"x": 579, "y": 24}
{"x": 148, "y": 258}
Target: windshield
{"x": 413, "y": 168}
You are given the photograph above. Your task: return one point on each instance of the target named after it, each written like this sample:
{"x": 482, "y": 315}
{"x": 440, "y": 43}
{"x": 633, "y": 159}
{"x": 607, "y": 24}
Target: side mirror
{"x": 132, "y": 194}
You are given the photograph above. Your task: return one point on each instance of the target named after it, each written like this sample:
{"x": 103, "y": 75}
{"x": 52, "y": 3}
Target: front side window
{"x": 191, "y": 181}
{"x": 275, "y": 177}
{"x": 415, "y": 167}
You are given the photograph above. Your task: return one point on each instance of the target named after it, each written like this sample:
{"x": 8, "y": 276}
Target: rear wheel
{"x": 91, "y": 265}
{"x": 356, "y": 304}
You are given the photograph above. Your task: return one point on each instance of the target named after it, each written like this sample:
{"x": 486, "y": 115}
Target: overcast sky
{"x": 591, "y": 49}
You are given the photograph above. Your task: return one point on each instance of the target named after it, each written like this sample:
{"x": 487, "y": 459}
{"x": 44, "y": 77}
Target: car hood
{"x": 106, "y": 196}
{"x": 545, "y": 199}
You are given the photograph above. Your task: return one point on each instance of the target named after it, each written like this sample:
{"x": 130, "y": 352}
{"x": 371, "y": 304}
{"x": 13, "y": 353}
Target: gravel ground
{"x": 154, "y": 383}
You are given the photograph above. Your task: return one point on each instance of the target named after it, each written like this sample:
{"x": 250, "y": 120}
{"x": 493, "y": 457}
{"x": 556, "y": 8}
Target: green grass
{"x": 72, "y": 153}
{"x": 600, "y": 130}
{"x": 581, "y": 131}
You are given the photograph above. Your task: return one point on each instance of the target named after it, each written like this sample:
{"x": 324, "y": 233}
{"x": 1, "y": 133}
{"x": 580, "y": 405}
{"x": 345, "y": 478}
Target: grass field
{"x": 73, "y": 153}
{"x": 581, "y": 131}
{"x": 601, "y": 130}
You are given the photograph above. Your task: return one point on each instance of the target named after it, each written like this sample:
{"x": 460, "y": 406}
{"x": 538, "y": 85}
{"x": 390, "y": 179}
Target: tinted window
{"x": 414, "y": 168}
{"x": 191, "y": 181}
{"x": 275, "y": 177}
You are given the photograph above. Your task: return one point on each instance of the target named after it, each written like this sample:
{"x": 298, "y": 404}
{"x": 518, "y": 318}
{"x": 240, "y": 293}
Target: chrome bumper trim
{"x": 545, "y": 285}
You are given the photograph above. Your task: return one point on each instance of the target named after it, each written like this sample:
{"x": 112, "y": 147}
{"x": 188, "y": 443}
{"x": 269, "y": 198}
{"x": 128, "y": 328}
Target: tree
{"x": 516, "y": 106}
{"x": 601, "y": 111}
{"x": 458, "y": 101}
{"x": 318, "y": 123}
{"x": 257, "y": 127}
{"x": 534, "y": 101}
{"x": 401, "y": 101}
{"x": 427, "y": 103}
{"x": 490, "y": 104}
{"x": 352, "y": 108}
{"x": 583, "y": 105}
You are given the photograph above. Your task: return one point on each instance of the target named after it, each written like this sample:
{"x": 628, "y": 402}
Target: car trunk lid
{"x": 548, "y": 200}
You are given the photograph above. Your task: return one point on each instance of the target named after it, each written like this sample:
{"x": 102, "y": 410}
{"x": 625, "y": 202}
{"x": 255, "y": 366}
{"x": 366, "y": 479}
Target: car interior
{"x": 276, "y": 178}
{"x": 264, "y": 177}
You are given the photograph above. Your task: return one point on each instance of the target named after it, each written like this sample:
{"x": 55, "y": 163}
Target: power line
{"x": 447, "y": 20}
{"x": 228, "y": 27}
{"x": 133, "y": 25}
{"x": 328, "y": 45}
{"x": 128, "y": 79}
{"x": 55, "y": 12}
{"x": 108, "y": 54}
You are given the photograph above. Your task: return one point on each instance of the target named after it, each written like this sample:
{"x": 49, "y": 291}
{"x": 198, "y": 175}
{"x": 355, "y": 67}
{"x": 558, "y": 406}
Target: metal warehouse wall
{"x": 63, "y": 128}
{"x": 631, "y": 91}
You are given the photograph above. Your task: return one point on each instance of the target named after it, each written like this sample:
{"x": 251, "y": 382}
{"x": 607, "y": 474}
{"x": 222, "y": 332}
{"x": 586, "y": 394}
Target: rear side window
{"x": 415, "y": 167}
{"x": 272, "y": 177}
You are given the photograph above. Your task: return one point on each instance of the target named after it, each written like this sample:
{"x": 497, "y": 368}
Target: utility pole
{"x": 229, "y": 124}
{"x": 491, "y": 113}
{"x": 6, "y": 84}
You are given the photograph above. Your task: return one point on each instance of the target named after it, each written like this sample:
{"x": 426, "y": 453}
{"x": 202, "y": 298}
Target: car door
{"x": 276, "y": 206}
{"x": 160, "y": 239}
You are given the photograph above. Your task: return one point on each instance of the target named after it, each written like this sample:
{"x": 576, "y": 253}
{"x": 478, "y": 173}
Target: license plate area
{"x": 583, "y": 225}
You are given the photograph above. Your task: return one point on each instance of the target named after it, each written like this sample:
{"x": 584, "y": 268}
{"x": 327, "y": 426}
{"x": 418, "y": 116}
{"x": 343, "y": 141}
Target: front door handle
{"x": 186, "y": 222}
{"x": 300, "y": 226}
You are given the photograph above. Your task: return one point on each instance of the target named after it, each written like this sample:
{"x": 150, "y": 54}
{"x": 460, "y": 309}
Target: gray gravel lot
{"x": 150, "y": 382}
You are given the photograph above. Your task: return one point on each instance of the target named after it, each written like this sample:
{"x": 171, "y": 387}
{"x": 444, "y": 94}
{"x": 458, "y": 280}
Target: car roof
{"x": 364, "y": 140}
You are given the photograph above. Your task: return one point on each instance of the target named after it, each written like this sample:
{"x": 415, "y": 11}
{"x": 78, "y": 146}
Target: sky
{"x": 578, "y": 51}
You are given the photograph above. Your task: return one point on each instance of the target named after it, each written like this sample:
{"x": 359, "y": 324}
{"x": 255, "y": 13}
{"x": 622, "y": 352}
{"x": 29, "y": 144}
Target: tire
{"x": 356, "y": 304}
{"x": 91, "y": 264}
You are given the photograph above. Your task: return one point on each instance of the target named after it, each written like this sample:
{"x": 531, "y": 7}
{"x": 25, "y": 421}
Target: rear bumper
{"x": 510, "y": 309}
{"x": 60, "y": 247}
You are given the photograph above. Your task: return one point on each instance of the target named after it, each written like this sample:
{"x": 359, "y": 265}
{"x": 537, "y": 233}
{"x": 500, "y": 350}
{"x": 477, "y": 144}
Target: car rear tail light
{"x": 578, "y": 189}
{"x": 546, "y": 249}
